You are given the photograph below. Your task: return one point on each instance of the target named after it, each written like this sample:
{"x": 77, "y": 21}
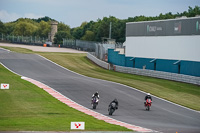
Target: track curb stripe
{"x": 83, "y": 109}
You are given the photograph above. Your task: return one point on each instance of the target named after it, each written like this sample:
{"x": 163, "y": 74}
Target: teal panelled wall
{"x": 144, "y": 62}
{"x": 186, "y": 67}
{"x": 115, "y": 58}
{"x": 190, "y": 68}
{"x": 166, "y": 65}
{"x": 128, "y": 61}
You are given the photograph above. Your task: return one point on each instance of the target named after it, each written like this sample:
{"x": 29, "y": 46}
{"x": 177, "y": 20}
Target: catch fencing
{"x": 79, "y": 45}
{"x": 31, "y": 40}
{"x": 100, "y": 49}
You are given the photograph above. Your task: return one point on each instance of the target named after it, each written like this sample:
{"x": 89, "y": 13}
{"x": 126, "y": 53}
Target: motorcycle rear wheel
{"x": 94, "y": 106}
{"x": 148, "y": 108}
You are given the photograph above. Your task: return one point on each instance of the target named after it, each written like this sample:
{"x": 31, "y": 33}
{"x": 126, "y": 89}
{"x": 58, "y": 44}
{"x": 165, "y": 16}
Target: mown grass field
{"x": 25, "y": 107}
{"x": 184, "y": 94}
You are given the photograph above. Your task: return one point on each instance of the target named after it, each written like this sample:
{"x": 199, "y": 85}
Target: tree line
{"x": 90, "y": 31}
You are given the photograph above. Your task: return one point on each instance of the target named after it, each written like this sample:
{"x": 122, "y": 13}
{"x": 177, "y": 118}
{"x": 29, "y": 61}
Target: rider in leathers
{"x": 114, "y": 101}
{"x": 96, "y": 94}
{"x": 148, "y": 96}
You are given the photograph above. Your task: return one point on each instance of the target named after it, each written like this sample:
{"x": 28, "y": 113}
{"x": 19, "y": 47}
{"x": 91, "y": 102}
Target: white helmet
{"x": 148, "y": 94}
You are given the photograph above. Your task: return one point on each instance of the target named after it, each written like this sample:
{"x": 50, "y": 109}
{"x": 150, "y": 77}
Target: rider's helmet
{"x": 115, "y": 100}
{"x": 96, "y": 93}
{"x": 148, "y": 94}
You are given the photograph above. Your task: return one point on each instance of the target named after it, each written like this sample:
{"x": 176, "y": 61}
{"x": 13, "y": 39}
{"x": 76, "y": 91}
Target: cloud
{"x": 9, "y": 17}
{"x": 31, "y": 15}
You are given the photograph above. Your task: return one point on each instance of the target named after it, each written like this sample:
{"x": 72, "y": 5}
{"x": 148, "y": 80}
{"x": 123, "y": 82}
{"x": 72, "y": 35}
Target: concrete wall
{"x": 159, "y": 74}
{"x": 98, "y": 62}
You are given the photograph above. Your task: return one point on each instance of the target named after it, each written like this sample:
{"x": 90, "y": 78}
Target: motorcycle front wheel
{"x": 111, "y": 111}
{"x": 94, "y": 106}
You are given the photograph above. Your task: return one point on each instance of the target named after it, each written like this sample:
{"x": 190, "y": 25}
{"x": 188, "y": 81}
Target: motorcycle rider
{"x": 96, "y": 94}
{"x": 114, "y": 101}
{"x": 148, "y": 96}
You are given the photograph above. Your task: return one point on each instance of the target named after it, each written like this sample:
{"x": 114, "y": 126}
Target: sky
{"x": 74, "y": 12}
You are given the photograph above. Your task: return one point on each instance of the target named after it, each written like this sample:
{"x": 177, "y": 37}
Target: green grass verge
{"x": 25, "y": 107}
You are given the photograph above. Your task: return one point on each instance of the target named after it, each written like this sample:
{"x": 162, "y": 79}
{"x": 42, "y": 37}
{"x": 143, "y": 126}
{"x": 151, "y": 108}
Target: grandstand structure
{"x": 164, "y": 45}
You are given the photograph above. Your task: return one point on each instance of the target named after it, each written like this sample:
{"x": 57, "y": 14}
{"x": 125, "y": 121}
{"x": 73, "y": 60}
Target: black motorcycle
{"x": 111, "y": 108}
{"x": 95, "y": 101}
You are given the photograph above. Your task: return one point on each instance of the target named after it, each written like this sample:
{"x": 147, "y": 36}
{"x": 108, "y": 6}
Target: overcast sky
{"x": 74, "y": 12}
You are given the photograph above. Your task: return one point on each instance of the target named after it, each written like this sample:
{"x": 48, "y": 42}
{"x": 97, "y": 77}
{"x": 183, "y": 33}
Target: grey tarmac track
{"x": 163, "y": 116}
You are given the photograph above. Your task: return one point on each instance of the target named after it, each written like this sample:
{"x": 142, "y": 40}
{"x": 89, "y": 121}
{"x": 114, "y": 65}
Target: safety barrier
{"x": 159, "y": 74}
{"x": 98, "y": 62}
{"x": 145, "y": 72}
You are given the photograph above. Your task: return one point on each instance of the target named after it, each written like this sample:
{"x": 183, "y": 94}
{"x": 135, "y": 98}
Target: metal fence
{"x": 32, "y": 40}
{"x": 79, "y": 44}
{"x": 100, "y": 49}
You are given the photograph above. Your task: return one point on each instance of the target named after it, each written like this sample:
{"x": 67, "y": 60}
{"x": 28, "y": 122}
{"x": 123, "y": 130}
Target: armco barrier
{"x": 159, "y": 74}
{"x": 145, "y": 72}
{"x": 98, "y": 62}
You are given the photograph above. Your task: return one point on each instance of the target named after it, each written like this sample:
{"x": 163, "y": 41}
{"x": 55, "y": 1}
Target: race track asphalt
{"x": 163, "y": 116}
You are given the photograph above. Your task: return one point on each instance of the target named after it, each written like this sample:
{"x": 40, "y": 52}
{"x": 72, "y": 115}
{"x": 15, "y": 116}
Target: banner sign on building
{"x": 171, "y": 27}
{"x": 78, "y": 125}
{"x": 4, "y": 86}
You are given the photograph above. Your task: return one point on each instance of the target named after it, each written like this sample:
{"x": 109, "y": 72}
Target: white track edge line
{"x": 5, "y": 49}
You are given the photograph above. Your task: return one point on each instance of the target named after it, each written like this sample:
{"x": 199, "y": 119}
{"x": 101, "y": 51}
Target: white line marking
{"x": 5, "y": 49}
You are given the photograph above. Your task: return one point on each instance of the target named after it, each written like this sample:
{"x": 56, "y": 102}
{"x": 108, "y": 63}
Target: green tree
{"x": 24, "y": 28}
{"x": 77, "y": 32}
{"x": 2, "y": 28}
{"x": 9, "y": 28}
{"x": 63, "y": 27}
{"x": 46, "y": 19}
{"x": 193, "y": 12}
{"x": 43, "y": 29}
{"x": 60, "y": 35}
{"x": 89, "y": 36}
